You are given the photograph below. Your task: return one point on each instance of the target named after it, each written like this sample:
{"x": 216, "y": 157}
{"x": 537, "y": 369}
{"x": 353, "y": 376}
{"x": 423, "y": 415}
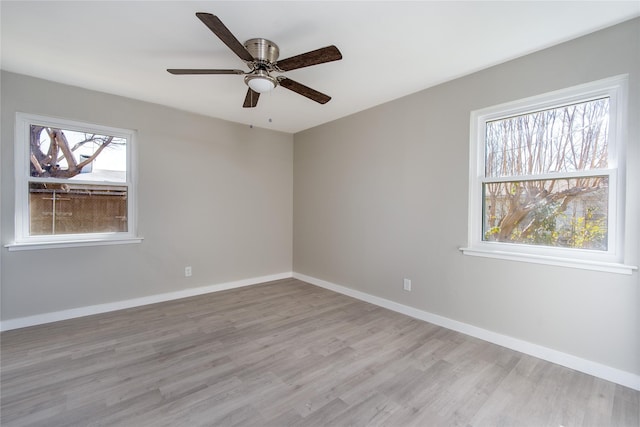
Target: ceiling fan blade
{"x": 304, "y": 90}
{"x": 223, "y": 33}
{"x": 315, "y": 57}
{"x": 202, "y": 71}
{"x": 251, "y": 100}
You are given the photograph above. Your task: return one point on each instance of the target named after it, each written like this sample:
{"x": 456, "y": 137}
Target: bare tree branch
{"x": 47, "y": 165}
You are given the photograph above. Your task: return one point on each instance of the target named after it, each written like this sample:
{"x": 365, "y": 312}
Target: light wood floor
{"x": 286, "y": 353}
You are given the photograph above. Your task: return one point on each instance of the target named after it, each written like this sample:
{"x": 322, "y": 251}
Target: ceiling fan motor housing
{"x": 262, "y": 50}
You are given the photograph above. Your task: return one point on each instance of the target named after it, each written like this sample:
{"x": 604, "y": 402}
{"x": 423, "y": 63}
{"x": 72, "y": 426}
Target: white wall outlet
{"x": 406, "y": 285}
{"x": 187, "y": 271}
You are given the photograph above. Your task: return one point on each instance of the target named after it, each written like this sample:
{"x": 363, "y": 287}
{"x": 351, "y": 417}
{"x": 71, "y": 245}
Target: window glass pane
{"x": 68, "y": 154}
{"x": 568, "y": 213}
{"x": 565, "y": 139}
{"x": 75, "y": 208}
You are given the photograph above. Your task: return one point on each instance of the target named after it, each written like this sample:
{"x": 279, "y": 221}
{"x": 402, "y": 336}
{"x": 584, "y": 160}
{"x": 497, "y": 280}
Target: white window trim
{"x": 22, "y": 239}
{"x": 610, "y": 261}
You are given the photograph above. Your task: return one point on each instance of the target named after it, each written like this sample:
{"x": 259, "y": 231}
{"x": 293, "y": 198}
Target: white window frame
{"x": 22, "y": 238}
{"x": 611, "y": 260}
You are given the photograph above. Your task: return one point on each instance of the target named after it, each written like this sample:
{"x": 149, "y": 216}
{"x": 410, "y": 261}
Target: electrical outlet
{"x": 406, "y": 285}
{"x": 188, "y": 271}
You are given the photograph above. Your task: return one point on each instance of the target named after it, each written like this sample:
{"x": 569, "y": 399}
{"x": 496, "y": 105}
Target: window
{"x": 547, "y": 178}
{"x": 74, "y": 184}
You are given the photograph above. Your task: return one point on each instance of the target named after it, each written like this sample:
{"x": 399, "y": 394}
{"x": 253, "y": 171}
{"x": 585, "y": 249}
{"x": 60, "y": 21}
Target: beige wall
{"x": 212, "y": 194}
{"x": 383, "y": 195}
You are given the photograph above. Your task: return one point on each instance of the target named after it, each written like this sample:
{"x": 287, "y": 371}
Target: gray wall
{"x": 212, "y": 194}
{"x": 383, "y": 195}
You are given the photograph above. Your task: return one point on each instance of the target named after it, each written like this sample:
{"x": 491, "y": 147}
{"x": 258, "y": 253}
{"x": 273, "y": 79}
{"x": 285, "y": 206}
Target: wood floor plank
{"x": 286, "y": 353}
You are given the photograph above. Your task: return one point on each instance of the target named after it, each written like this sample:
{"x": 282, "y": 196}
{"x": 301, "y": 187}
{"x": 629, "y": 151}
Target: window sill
{"x": 26, "y": 246}
{"x": 609, "y": 267}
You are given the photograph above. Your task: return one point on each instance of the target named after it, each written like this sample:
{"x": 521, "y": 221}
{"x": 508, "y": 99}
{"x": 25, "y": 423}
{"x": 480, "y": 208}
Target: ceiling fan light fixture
{"x": 260, "y": 81}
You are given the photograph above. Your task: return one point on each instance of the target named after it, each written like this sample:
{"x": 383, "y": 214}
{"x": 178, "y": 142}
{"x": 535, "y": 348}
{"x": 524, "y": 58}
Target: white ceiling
{"x": 390, "y": 48}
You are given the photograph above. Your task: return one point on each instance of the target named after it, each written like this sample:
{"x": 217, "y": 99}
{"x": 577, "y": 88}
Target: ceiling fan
{"x": 261, "y": 55}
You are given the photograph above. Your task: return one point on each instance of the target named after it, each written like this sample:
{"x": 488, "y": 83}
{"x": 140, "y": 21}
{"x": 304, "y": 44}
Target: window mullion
{"x": 563, "y": 175}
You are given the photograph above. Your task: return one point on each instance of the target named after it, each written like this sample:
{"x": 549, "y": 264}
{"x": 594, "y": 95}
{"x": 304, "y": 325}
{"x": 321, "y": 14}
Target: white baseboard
{"x": 39, "y": 319}
{"x": 599, "y": 370}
